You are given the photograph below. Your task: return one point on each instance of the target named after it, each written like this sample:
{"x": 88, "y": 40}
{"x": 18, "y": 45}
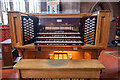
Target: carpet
{"x": 114, "y": 53}
{"x": 111, "y": 60}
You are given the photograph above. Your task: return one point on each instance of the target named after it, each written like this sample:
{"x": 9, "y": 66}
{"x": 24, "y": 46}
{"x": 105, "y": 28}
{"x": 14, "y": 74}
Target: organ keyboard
{"x": 60, "y": 37}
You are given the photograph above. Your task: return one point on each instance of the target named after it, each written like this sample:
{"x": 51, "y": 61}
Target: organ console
{"x": 83, "y": 35}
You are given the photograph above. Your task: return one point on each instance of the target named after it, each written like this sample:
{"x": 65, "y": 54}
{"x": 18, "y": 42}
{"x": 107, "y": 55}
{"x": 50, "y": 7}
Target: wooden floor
{"x": 111, "y": 63}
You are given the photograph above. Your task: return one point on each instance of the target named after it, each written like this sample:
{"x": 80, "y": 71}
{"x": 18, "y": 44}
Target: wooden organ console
{"x": 38, "y": 36}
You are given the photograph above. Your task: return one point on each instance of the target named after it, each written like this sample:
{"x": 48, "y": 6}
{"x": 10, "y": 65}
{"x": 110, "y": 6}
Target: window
{"x": 19, "y": 5}
{"x": 34, "y": 6}
{"x": 29, "y": 6}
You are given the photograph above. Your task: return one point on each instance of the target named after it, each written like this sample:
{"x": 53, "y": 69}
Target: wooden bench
{"x": 49, "y": 68}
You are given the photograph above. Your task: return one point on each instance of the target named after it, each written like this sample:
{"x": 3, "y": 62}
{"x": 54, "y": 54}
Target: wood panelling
{"x": 82, "y": 54}
{"x": 87, "y": 55}
{"x": 57, "y": 49}
{"x": 29, "y": 54}
{"x": 15, "y": 29}
{"x": 43, "y": 54}
{"x": 60, "y": 73}
{"x": 7, "y": 56}
{"x": 102, "y": 31}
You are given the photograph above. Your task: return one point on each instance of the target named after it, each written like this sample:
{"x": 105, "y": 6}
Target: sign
{"x": 53, "y": 6}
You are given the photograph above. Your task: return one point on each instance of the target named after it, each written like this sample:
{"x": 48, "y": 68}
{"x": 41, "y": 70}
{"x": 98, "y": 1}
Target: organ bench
{"x": 35, "y": 69}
